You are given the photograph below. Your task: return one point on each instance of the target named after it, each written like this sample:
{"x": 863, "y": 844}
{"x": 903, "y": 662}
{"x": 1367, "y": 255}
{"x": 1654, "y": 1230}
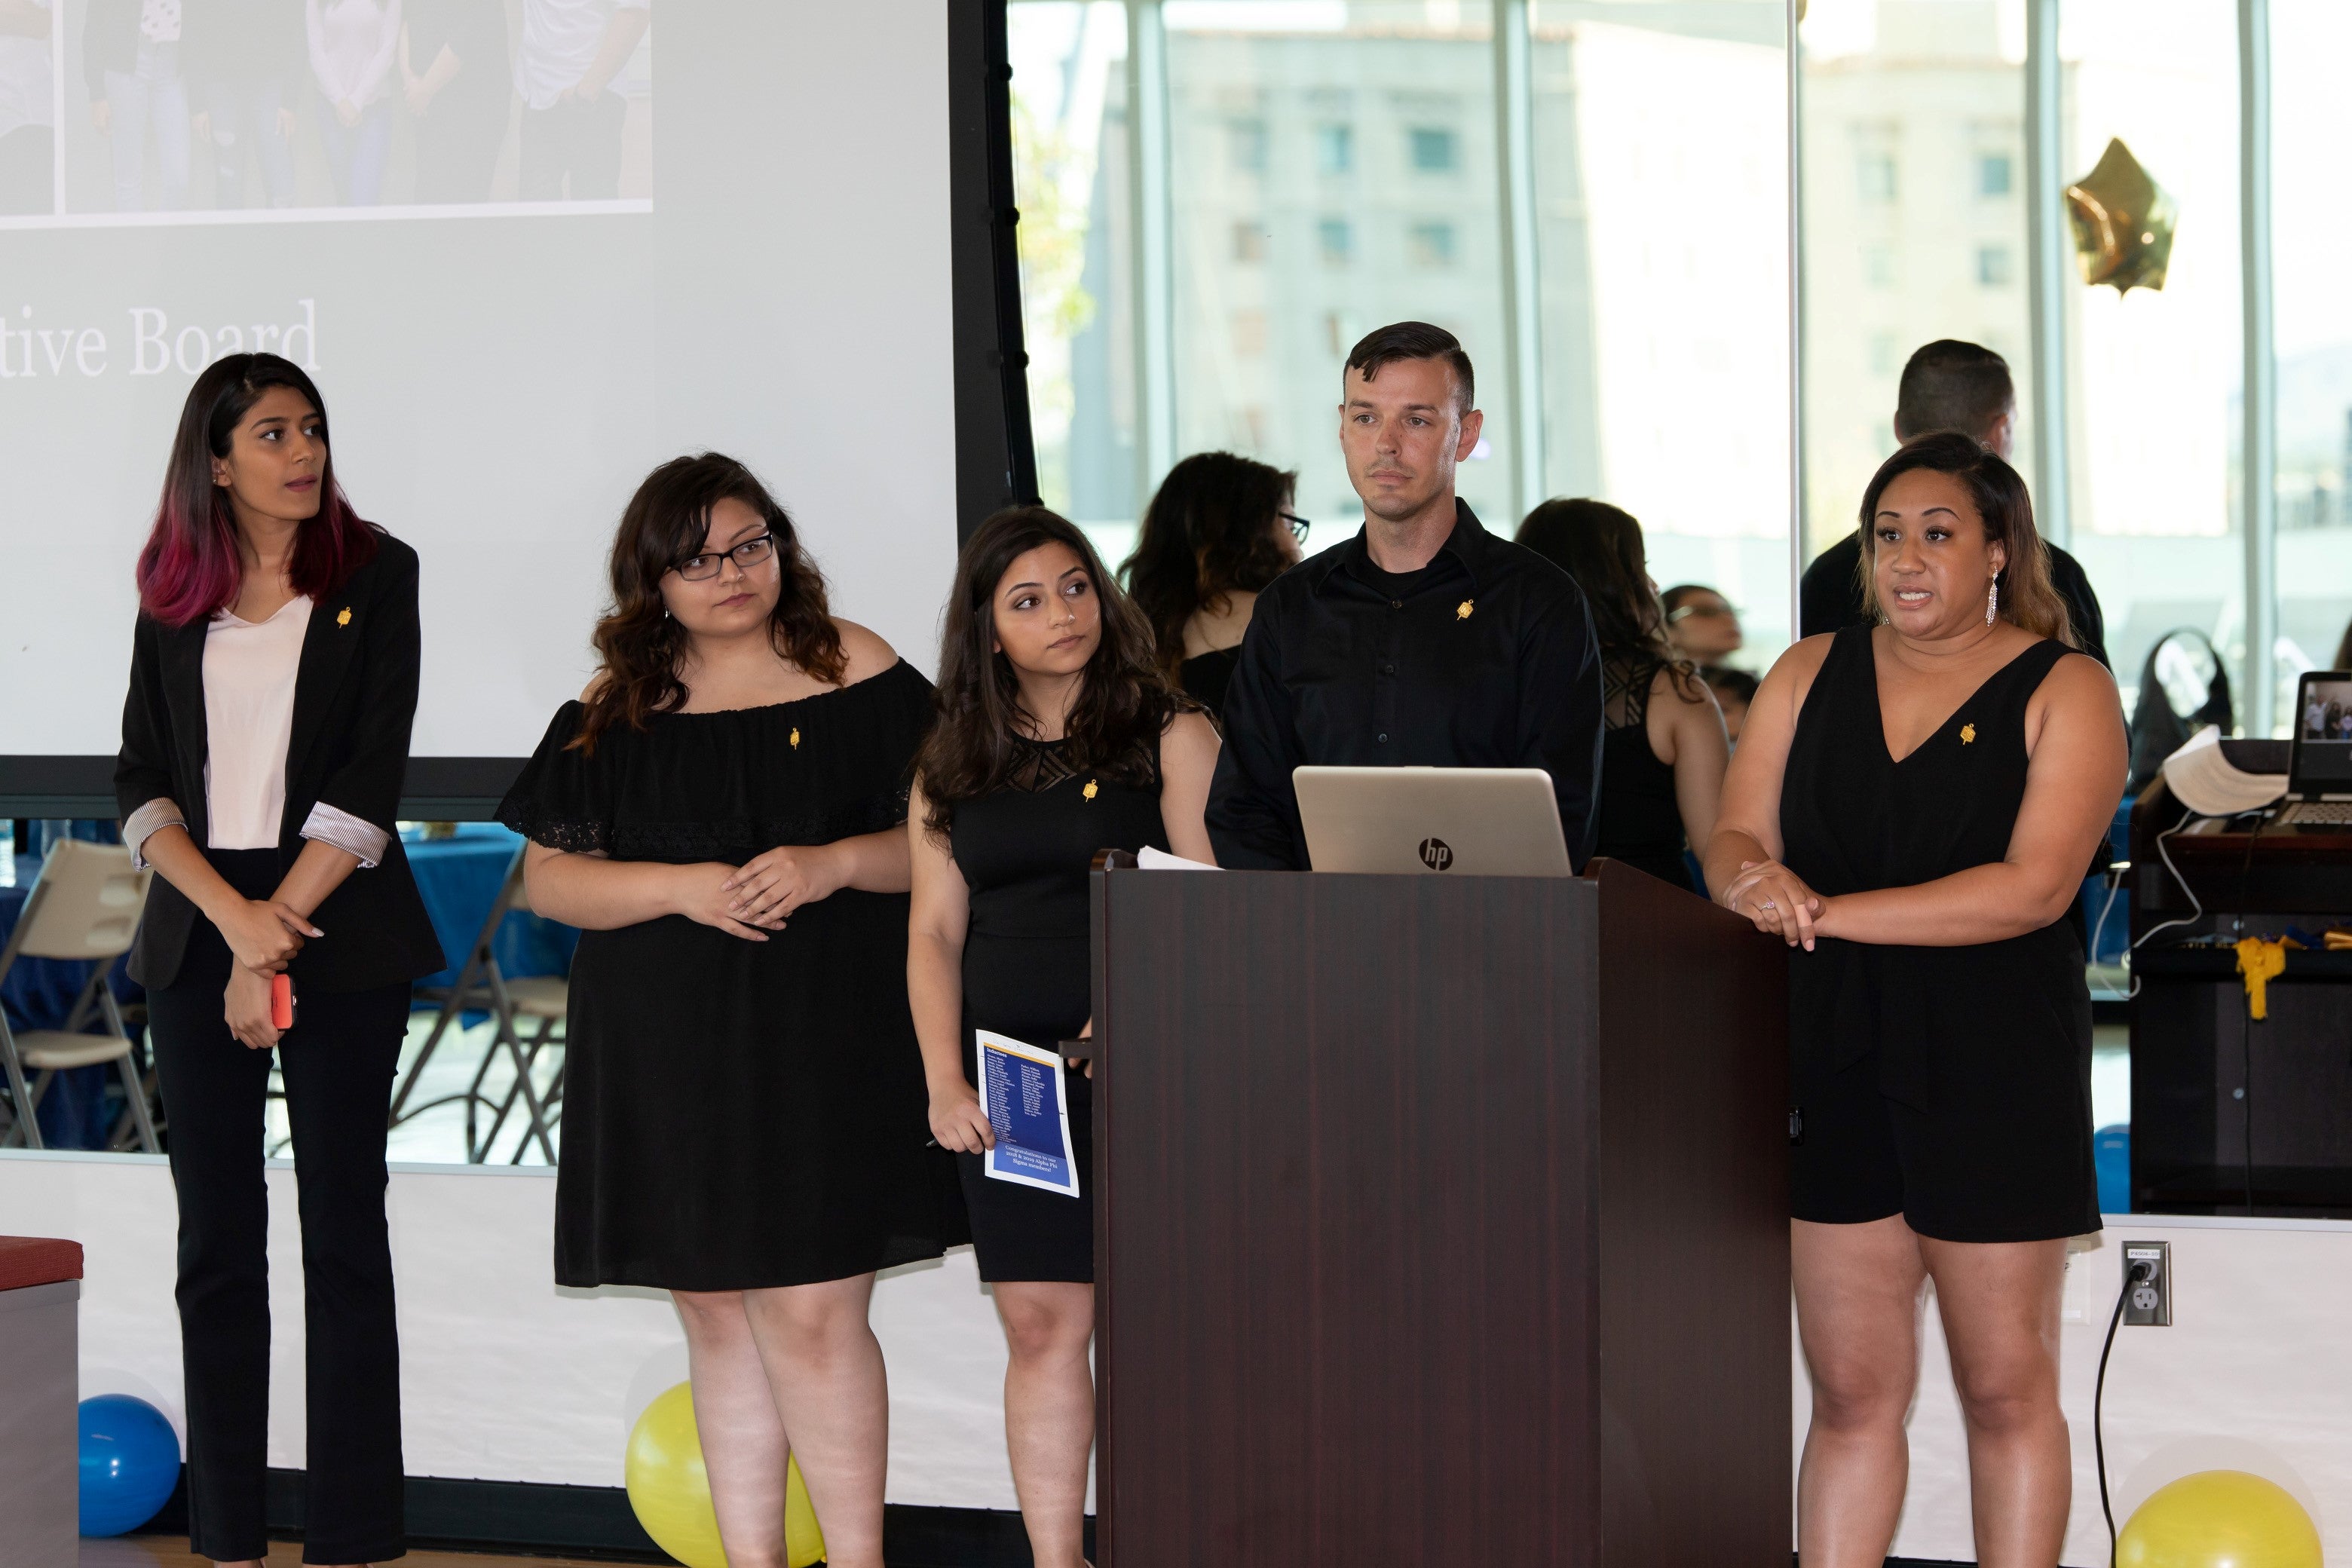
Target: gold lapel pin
{"x": 1968, "y": 733}
{"x": 1089, "y": 791}
{"x": 343, "y": 616}
{"x": 796, "y": 737}
{"x": 1462, "y": 610}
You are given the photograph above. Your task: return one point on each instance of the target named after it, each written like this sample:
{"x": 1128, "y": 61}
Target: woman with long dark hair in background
{"x": 1912, "y": 804}
{"x": 721, "y": 813}
{"x": 1220, "y": 530}
{"x": 273, "y": 680}
{"x": 1054, "y": 738}
{"x": 1663, "y": 756}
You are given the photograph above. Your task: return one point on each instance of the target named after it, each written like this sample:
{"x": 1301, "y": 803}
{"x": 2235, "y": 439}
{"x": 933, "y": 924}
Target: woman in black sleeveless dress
{"x": 1218, "y": 529}
{"x": 1663, "y": 752}
{"x": 743, "y": 1118}
{"x": 1910, "y": 806}
{"x": 1055, "y": 738}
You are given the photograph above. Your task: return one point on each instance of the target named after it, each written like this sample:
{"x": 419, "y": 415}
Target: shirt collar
{"x": 1470, "y": 545}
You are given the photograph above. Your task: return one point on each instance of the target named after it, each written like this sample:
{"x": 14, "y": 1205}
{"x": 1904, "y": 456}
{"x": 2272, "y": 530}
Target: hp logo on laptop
{"x": 1436, "y": 854}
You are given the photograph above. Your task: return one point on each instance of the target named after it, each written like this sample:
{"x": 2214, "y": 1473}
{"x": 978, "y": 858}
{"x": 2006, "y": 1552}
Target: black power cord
{"x": 2140, "y": 1272}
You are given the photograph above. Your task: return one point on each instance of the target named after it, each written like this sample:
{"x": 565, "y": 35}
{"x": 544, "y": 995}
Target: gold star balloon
{"x": 2123, "y": 222}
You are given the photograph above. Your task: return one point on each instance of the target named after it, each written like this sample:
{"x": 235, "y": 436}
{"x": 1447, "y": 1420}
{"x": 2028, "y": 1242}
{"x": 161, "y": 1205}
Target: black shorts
{"x": 2013, "y": 1169}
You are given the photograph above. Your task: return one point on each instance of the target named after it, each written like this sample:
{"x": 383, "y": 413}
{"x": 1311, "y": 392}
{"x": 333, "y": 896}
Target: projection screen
{"x": 548, "y": 296}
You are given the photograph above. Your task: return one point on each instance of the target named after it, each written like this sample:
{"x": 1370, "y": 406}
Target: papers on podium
{"x": 1029, "y": 1107}
{"x": 2202, "y": 778}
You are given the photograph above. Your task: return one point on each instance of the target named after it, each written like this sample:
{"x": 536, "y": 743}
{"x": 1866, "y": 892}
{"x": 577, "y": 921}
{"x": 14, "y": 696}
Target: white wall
{"x": 2254, "y": 1374}
{"x": 506, "y": 1377}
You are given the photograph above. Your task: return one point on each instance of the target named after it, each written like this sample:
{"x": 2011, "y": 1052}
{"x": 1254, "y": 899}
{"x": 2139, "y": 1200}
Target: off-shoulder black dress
{"x": 740, "y": 1115}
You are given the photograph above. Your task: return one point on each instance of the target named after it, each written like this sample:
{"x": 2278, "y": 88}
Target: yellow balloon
{"x": 2220, "y": 1518}
{"x": 671, "y": 1491}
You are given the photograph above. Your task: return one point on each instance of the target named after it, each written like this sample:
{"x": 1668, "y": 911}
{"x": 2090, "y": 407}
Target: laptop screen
{"x": 2322, "y": 734}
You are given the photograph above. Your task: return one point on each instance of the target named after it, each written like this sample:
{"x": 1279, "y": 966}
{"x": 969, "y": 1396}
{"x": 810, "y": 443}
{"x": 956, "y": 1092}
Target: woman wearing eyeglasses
{"x": 1701, "y": 623}
{"x": 722, "y": 813}
{"x": 1220, "y": 528}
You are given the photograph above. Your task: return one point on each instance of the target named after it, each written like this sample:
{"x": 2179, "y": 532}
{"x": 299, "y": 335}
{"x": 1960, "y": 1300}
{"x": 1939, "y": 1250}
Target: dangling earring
{"x": 1992, "y": 601}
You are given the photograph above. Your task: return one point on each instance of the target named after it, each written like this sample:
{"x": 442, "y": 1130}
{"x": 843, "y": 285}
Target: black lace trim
{"x": 736, "y": 839}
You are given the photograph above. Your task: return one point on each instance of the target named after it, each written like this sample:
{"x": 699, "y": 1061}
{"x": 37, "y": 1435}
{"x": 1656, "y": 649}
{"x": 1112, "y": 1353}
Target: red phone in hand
{"x": 282, "y": 1002}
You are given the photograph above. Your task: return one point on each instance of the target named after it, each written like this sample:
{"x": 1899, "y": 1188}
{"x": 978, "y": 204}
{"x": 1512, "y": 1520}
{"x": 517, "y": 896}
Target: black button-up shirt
{"x": 1484, "y": 659}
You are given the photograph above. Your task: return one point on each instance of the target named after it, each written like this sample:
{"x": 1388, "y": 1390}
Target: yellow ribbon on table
{"x": 2260, "y": 959}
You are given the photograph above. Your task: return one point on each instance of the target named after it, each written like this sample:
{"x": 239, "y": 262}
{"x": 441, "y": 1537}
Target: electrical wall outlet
{"x": 2149, "y": 1303}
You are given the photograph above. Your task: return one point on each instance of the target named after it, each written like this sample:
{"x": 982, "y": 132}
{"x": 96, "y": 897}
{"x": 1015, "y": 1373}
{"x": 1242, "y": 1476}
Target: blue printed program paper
{"x": 1028, "y": 1106}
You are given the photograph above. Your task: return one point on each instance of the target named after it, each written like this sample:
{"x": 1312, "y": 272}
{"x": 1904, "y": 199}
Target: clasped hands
{"x": 1777, "y": 901}
{"x": 757, "y": 897}
{"x": 263, "y": 936}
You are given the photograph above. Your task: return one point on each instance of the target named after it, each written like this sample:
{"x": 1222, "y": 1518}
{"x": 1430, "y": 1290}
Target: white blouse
{"x": 250, "y": 668}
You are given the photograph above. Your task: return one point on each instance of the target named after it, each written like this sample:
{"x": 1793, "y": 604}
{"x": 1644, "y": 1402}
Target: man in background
{"x": 1423, "y": 640}
{"x": 1947, "y": 385}
{"x": 572, "y": 117}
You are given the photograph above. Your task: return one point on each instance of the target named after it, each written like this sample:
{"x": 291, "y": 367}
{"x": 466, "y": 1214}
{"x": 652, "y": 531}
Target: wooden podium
{"x": 1439, "y": 1220}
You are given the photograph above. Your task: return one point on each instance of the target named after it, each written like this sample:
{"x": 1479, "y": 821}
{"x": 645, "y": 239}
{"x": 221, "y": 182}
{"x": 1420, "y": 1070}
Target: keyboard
{"x": 2317, "y": 814}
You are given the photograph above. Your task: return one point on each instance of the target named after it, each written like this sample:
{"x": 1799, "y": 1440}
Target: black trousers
{"x": 581, "y": 138}
{"x": 337, "y": 1062}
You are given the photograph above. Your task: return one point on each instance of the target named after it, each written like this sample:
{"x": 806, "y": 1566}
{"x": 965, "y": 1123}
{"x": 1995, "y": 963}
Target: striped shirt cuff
{"x": 142, "y": 824}
{"x": 347, "y": 833}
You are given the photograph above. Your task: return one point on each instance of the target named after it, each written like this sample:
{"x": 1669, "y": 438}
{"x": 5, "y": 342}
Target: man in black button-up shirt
{"x": 1423, "y": 640}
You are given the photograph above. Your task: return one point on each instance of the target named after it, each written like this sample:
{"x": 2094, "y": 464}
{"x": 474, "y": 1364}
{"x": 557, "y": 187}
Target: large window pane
{"x": 1070, "y": 178}
{"x": 1661, "y": 176}
{"x": 2154, "y": 375}
{"x": 1332, "y": 168}
{"x": 2311, "y": 131}
{"x": 1914, "y": 221}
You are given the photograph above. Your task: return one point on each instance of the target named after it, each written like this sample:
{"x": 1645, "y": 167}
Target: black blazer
{"x": 354, "y": 698}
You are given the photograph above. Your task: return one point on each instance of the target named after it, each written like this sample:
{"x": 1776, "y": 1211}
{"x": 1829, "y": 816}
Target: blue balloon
{"x": 130, "y": 1463}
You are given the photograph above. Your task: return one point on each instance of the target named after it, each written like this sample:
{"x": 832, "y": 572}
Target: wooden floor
{"x": 171, "y": 1551}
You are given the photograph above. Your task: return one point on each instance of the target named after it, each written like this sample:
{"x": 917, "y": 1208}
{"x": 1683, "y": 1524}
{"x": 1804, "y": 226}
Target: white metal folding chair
{"x": 482, "y": 987}
{"x": 84, "y": 907}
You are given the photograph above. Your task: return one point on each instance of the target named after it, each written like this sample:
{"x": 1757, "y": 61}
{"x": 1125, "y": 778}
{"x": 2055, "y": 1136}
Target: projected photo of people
{"x": 2326, "y": 711}
{"x": 27, "y": 115}
{"x": 204, "y": 107}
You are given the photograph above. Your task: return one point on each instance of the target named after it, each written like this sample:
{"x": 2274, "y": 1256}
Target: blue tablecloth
{"x": 458, "y": 879}
{"x": 38, "y": 993}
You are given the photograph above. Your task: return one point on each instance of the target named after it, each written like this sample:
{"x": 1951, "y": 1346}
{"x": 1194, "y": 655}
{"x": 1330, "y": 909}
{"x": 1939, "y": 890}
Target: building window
{"x": 1249, "y": 334}
{"x": 1996, "y": 174}
{"x": 1875, "y": 172}
{"x": 1435, "y": 150}
{"x": 1430, "y": 245}
{"x": 1245, "y": 145}
{"x": 1336, "y": 238}
{"x": 1994, "y": 265}
{"x": 1335, "y": 149}
{"x": 1249, "y": 242}
{"x": 1878, "y": 266}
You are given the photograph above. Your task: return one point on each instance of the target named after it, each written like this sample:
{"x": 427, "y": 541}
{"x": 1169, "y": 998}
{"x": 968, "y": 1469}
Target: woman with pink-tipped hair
{"x": 273, "y": 680}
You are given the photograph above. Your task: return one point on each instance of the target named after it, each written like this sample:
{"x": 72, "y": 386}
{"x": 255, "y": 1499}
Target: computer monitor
{"x": 1461, "y": 822}
{"x": 2319, "y": 766}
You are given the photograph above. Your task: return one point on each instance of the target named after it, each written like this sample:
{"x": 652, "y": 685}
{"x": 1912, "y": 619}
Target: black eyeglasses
{"x": 1299, "y": 525}
{"x": 746, "y": 556}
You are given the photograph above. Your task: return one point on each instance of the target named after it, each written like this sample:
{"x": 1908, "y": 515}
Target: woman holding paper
{"x": 1056, "y": 737}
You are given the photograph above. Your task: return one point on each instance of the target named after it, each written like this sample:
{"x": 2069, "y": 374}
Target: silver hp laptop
{"x": 2319, "y": 765}
{"x": 1463, "y": 822}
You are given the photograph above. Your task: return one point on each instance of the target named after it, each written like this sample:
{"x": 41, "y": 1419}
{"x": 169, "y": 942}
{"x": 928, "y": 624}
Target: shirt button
{"x": 1388, "y": 670}
{"x": 1396, "y": 603}
{"x": 1384, "y": 740}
